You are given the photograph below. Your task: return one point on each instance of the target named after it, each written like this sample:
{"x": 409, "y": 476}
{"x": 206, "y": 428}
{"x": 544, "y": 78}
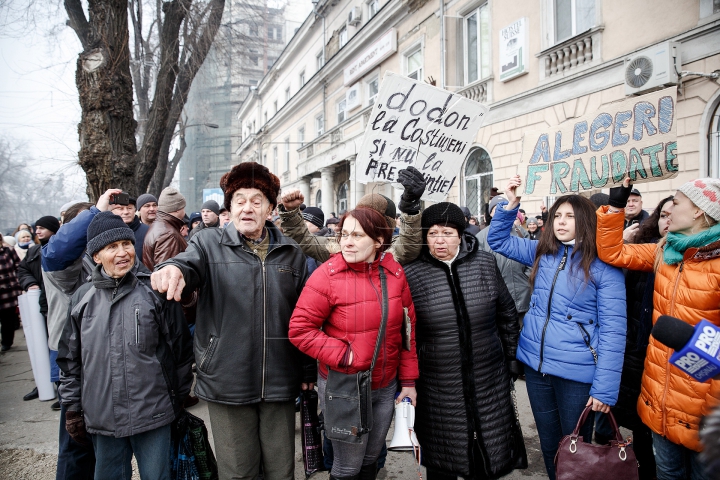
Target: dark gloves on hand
{"x": 619, "y": 196}
{"x": 517, "y": 369}
{"x": 414, "y": 183}
{"x": 75, "y": 426}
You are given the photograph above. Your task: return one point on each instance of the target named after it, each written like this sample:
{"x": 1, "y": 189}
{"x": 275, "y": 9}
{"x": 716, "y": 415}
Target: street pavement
{"x": 29, "y": 430}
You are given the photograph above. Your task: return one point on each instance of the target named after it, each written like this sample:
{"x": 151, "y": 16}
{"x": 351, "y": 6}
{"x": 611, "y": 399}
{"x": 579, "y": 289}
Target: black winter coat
{"x": 242, "y": 350}
{"x": 30, "y": 273}
{"x": 467, "y": 335}
{"x": 640, "y": 287}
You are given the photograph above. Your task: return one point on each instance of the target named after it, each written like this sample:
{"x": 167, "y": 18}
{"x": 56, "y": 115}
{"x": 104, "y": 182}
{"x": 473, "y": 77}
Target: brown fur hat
{"x": 250, "y": 175}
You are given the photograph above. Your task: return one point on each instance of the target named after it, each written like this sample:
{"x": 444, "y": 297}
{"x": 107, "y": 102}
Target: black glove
{"x": 75, "y": 426}
{"x": 414, "y": 183}
{"x": 517, "y": 369}
{"x": 619, "y": 196}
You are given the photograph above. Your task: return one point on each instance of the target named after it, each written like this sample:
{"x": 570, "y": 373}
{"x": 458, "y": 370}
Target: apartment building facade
{"x": 536, "y": 64}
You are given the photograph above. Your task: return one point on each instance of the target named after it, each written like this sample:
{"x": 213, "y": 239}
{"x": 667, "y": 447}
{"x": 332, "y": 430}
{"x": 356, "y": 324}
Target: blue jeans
{"x": 75, "y": 461}
{"x": 54, "y": 369}
{"x": 675, "y": 462}
{"x": 557, "y": 404}
{"x": 151, "y": 449}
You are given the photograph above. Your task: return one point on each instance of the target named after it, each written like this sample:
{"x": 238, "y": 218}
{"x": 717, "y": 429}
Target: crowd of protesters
{"x": 263, "y": 297}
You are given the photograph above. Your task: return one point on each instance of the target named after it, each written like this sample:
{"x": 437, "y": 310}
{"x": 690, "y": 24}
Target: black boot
{"x": 32, "y": 395}
{"x": 368, "y": 472}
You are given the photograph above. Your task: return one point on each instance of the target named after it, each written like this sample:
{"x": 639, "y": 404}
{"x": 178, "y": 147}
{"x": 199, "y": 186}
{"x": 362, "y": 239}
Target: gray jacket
{"x": 242, "y": 351}
{"x": 125, "y": 355}
{"x": 59, "y": 287}
{"x": 515, "y": 274}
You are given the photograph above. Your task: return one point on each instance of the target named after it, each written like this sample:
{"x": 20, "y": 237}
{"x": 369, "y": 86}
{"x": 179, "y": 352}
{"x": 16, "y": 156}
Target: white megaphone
{"x": 404, "y": 439}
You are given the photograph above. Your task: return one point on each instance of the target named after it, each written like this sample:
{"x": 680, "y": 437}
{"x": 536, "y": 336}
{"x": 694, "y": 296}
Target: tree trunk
{"x": 107, "y": 127}
{"x": 155, "y": 128}
{"x": 202, "y": 43}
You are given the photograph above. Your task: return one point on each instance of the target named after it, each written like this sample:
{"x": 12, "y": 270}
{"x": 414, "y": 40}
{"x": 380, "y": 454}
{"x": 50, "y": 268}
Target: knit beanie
{"x": 380, "y": 203}
{"x": 443, "y": 213}
{"x": 51, "y": 223}
{"x": 145, "y": 198}
{"x": 211, "y": 205}
{"x": 495, "y": 201}
{"x": 171, "y": 200}
{"x": 314, "y": 215}
{"x": 705, "y": 193}
{"x": 105, "y": 229}
{"x": 600, "y": 199}
{"x": 532, "y": 220}
{"x": 250, "y": 175}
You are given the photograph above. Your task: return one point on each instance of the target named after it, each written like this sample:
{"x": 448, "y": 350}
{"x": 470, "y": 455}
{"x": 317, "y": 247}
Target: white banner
{"x": 416, "y": 124}
{"x": 37, "y": 342}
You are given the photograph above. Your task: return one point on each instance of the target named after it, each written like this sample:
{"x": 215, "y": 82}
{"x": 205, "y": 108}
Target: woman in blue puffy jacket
{"x": 573, "y": 338}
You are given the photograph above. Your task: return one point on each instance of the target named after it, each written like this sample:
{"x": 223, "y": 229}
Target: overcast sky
{"x": 39, "y": 101}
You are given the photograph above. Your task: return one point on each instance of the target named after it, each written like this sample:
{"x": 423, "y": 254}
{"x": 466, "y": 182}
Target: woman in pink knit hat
{"x": 687, "y": 286}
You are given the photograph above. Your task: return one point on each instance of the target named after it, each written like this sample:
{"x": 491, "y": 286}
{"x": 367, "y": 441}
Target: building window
{"x": 301, "y": 136}
{"x": 253, "y": 82}
{"x": 318, "y": 199}
{"x": 271, "y": 61}
{"x": 414, "y": 63}
{"x": 278, "y": 33}
{"x": 253, "y": 29}
{"x": 253, "y": 58}
{"x": 714, "y": 145}
{"x": 476, "y": 33}
{"x": 302, "y": 78}
{"x": 275, "y": 107}
{"x": 320, "y": 124}
{"x": 274, "y": 32}
{"x": 320, "y": 60}
{"x": 287, "y": 155}
{"x": 373, "y": 7}
{"x": 341, "y": 107}
{"x": 275, "y": 160}
{"x": 478, "y": 182}
{"x": 287, "y": 94}
{"x": 572, "y": 17}
{"x": 372, "y": 87}
{"x": 343, "y": 36}
{"x": 342, "y": 198}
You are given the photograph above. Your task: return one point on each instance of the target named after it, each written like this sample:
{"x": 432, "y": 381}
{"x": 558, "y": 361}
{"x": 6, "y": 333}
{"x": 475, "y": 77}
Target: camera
{"x": 120, "y": 199}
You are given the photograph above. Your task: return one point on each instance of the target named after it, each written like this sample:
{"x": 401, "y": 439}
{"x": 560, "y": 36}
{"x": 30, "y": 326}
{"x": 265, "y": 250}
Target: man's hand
{"x": 511, "y": 192}
{"x": 414, "y": 183}
{"x": 307, "y": 386}
{"x": 543, "y": 208}
{"x": 75, "y": 426}
{"x": 33, "y": 287}
{"x": 292, "y": 200}
{"x": 630, "y": 232}
{"x": 169, "y": 279}
{"x": 597, "y": 405}
{"x": 408, "y": 392}
{"x": 103, "y": 203}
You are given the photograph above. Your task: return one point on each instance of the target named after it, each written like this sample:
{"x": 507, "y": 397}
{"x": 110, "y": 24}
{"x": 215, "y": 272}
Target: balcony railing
{"x": 478, "y": 91}
{"x": 572, "y": 55}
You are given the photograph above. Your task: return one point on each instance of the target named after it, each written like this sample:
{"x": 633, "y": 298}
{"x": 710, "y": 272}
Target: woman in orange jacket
{"x": 687, "y": 286}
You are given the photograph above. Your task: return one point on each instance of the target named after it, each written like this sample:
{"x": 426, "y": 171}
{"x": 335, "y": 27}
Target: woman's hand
{"x": 408, "y": 392}
{"x": 511, "y": 192}
{"x": 619, "y": 196}
{"x": 597, "y": 405}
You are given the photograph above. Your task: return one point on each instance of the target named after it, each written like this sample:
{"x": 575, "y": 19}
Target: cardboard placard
{"x": 635, "y": 137}
{"x": 413, "y": 123}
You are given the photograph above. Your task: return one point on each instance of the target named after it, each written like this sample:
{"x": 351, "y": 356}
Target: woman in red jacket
{"x": 337, "y": 320}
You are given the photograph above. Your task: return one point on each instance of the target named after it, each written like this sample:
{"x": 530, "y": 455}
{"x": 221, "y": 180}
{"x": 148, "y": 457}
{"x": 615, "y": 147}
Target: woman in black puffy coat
{"x": 467, "y": 334}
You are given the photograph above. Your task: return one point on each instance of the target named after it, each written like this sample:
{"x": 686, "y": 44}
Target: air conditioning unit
{"x": 355, "y": 16}
{"x": 652, "y": 68}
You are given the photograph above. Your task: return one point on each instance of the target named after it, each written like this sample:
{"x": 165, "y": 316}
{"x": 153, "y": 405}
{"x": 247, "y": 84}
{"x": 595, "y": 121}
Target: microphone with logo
{"x": 696, "y": 348}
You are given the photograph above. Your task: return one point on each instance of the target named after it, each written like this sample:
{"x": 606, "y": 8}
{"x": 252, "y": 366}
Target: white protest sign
{"x": 635, "y": 137}
{"x": 413, "y": 123}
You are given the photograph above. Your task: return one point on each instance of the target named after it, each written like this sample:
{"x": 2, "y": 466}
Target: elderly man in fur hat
{"x": 405, "y": 246}
{"x": 249, "y": 277}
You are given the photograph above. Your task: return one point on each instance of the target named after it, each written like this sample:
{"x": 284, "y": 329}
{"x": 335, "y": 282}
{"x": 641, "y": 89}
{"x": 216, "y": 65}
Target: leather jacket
{"x": 242, "y": 350}
{"x": 163, "y": 240}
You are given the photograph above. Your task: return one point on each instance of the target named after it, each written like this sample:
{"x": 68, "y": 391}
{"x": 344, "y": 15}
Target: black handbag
{"x": 348, "y": 397}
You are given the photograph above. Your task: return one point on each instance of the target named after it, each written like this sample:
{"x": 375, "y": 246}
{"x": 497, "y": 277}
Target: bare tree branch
{"x": 77, "y": 21}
